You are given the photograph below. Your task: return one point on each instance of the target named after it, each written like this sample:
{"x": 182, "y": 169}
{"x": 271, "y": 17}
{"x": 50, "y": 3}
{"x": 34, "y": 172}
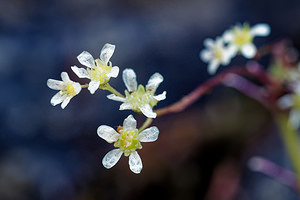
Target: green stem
{"x": 85, "y": 86}
{"x": 290, "y": 138}
{"x": 145, "y": 124}
{"x": 111, "y": 89}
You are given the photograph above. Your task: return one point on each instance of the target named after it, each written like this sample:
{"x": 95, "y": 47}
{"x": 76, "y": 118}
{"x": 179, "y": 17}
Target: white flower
{"x": 127, "y": 140}
{"x": 68, "y": 89}
{"x": 240, "y": 37}
{"x": 216, "y": 53}
{"x": 99, "y": 70}
{"x": 137, "y": 98}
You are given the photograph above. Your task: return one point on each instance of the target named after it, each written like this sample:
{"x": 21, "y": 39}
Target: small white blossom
{"x": 68, "y": 89}
{"x": 99, "y": 71}
{"x": 240, "y": 38}
{"x": 127, "y": 140}
{"x": 136, "y": 97}
{"x": 216, "y": 53}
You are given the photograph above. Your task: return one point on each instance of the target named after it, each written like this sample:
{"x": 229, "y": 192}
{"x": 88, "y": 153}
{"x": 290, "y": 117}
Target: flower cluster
{"x": 137, "y": 98}
{"x": 238, "y": 39}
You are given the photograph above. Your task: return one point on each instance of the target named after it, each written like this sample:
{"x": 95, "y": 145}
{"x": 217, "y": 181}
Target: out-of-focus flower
{"x": 240, "y": 38}
{"x": 216, "y": 53}
{"x": 136, "y": 97}
{"x": 99, "y": 70}
{"x": 127, "y": 140}
{"x": 292, "y": 102}
{"x": 68, "y": 89}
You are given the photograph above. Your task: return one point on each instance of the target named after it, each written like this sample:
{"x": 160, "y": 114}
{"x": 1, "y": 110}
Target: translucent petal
{"x": 147, "y": 111}
{"x": 248, "y": 50}
{"x": 213, "y": 66}
{"x": 228, "y": 36}
{"x": 160, "y": 97}
{"x": 107, "y": 133}
{"x": 80, "y": 72}
{"x": 126, "y": 106}
{"x": 107, "y": 52}
{"x": 129, "y": 123}
{"x": 129, "y": 78}
{"x": 57, "y": 99}
{"x": 206, "y": 55}
{"x": 208, "y": 42}
{"x": 154, "y": 82}
{"x": 111, "y": 158}
{"x": 149, "y": 134}
{"x": 295, "y": 118}
{"x": 77, "y": 87}
{"x": 55, "y": 84}
{"x": 116, "y": 98}
{"x": 285, "y": 101}
{"x": 66, "y": 102}
{"x": 135, "y": 163}
{"x": 114, "y": 72}
{"x": 65, "y": 77}
{"x": 86, "y": 59}
{"x": 93, "y": 86}
{"x": 260, "y": 30}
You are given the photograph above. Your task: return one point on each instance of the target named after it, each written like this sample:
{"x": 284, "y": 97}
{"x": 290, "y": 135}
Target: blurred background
{"x": 202, "y": 153}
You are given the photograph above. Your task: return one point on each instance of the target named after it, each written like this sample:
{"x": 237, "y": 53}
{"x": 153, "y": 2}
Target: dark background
{"x": 50, "y": 153}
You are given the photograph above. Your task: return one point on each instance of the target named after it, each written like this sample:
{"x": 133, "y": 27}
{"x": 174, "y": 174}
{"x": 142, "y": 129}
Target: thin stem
{"x": 252, "y": 70}
{"x": 290, "y": 139}
{"x": 85, "y": 86}
{"x": 146, "y": 124}
{"x": 111, "y": 89}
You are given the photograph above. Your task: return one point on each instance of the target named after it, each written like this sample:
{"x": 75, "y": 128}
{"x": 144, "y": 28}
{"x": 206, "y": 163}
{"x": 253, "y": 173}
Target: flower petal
{"x": 77, "y": 87}
{"x": 135, "y": 163}
{"x": 248, "y": 50}
{"x": 57, "y": 99}
{"x": 147, "y": 111}
{"x": 260, "y": 30}
{"x": 65, "y": 77}
{"x": 213, "y": 66}
{"x": 149, "y": 134}
{"x": 154, "y": 82}
{"x": 285, "y": 101}
{"x": 106, "y": 52}
{"x": 209, "y": 43}
{"x": 80, "y": 72}
{"x": 55, "y": 84}
{"x": 228, "y": 36}
{"x": 295, "y": 118}
{"x": 111, "y": 158}
{"x": 161, "y": 96}
{"x": 129, "y": 123}
{"x": 116, "y": 98}
{"x": 129, "y": 78}
{"x": 93, "y": 86}
{"x": 125, "y": 106}
{"x": 107, "y": 133}
{"x": 113, "y": 72}
{"x": 86, "y": 59}
{"x": 206, "y": 55}
{"x": 66, "y": 102}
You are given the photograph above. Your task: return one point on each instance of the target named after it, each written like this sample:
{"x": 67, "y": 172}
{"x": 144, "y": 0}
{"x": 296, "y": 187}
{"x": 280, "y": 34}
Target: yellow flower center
{"x": 139, "y": 98}
{"x": 68, "y": 89}
{"x": 218, "y": 53}
{"x": 242, "y": 35}
{"x": 129, "y": 141}
{"x": 100, "y": 72}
